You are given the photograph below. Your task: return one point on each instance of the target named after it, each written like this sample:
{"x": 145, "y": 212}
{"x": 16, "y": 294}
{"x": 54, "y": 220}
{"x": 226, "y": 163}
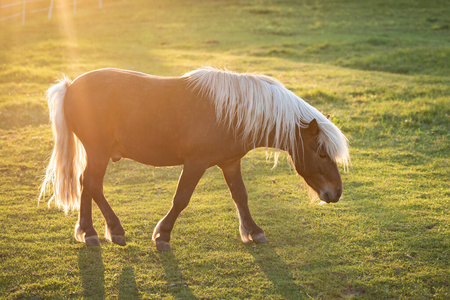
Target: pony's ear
{"x": 313, "y": 128}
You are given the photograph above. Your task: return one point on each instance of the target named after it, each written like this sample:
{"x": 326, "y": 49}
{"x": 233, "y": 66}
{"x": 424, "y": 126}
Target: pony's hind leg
{"x": 247, "y": 227}
{"x": 84, "y": 229}
{"x": 93, "y": 183}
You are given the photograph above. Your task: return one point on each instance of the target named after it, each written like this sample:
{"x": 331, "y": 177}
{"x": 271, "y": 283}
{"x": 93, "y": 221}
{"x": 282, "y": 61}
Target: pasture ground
{"x": 380, "y": 68}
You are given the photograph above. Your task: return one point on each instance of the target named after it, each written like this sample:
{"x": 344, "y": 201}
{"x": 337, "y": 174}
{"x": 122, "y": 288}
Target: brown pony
{"x": 205, "y": 118}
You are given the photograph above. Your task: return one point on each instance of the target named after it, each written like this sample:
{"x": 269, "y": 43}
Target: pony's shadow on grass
{"x": 277, "y": 272}
{"x": 92, "y": 272}
{"x": 127, "y": 284}
{"x": 176, "y": 284}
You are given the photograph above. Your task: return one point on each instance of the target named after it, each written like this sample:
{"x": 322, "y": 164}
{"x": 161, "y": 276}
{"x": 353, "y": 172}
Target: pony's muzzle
{"x": 331, "y": 196}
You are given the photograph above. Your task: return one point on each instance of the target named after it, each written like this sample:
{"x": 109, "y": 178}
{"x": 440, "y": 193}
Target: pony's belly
{"x": 158, "y": 161}
{"x": 151, "y": 156}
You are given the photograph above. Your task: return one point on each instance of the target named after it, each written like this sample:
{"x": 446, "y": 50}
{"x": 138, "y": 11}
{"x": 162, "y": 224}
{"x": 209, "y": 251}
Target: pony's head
{"x": 313, "y": 162}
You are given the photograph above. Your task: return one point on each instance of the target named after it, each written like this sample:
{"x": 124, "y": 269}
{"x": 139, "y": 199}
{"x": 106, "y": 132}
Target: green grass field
{"x": 380, "y": 68}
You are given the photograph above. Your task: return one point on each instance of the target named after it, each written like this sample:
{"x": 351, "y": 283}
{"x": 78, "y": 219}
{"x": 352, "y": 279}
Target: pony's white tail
{"x": 68, "y": 159}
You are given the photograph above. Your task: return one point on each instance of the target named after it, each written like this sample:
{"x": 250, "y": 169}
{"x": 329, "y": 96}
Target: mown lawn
{"x": 380, "y": 68}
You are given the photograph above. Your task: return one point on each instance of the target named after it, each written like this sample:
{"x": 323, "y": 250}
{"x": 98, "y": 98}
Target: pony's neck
{"x": 269, "y": 141}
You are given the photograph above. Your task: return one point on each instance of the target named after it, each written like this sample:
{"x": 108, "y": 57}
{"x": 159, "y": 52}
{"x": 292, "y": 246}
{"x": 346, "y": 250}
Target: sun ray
{"x": 69, "y": 34}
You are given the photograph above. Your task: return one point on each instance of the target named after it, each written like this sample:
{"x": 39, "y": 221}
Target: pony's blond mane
{"x": 259, "y": 104}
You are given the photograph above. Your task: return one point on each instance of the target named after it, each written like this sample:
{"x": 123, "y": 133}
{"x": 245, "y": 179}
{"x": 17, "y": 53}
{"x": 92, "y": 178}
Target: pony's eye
{"x": 322, "y": 154}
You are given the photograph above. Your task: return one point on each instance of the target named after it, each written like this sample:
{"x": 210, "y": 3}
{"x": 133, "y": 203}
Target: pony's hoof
{"x": 80, "y": 236}
{"x": 246, "y": 237}
{"x": 163, "y": 246}
{"x": 117, "y": 239}
{"x": 259, "y": 238}
{"x": 92, "y": 240}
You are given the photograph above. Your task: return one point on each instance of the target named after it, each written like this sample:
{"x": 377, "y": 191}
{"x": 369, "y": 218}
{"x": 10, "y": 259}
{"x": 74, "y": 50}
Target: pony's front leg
{"x": 84, "y": 229}
{"x": 191, "y": 174}
{"x": 247, "y": 227}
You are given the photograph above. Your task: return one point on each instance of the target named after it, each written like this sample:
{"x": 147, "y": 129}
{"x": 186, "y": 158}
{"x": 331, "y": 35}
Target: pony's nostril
{"x": 326, "y": 197}
{"x": 331, "y": 197}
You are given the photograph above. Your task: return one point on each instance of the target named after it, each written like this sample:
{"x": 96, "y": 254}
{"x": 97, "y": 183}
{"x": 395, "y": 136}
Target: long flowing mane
{"x": 259, "y": 104}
